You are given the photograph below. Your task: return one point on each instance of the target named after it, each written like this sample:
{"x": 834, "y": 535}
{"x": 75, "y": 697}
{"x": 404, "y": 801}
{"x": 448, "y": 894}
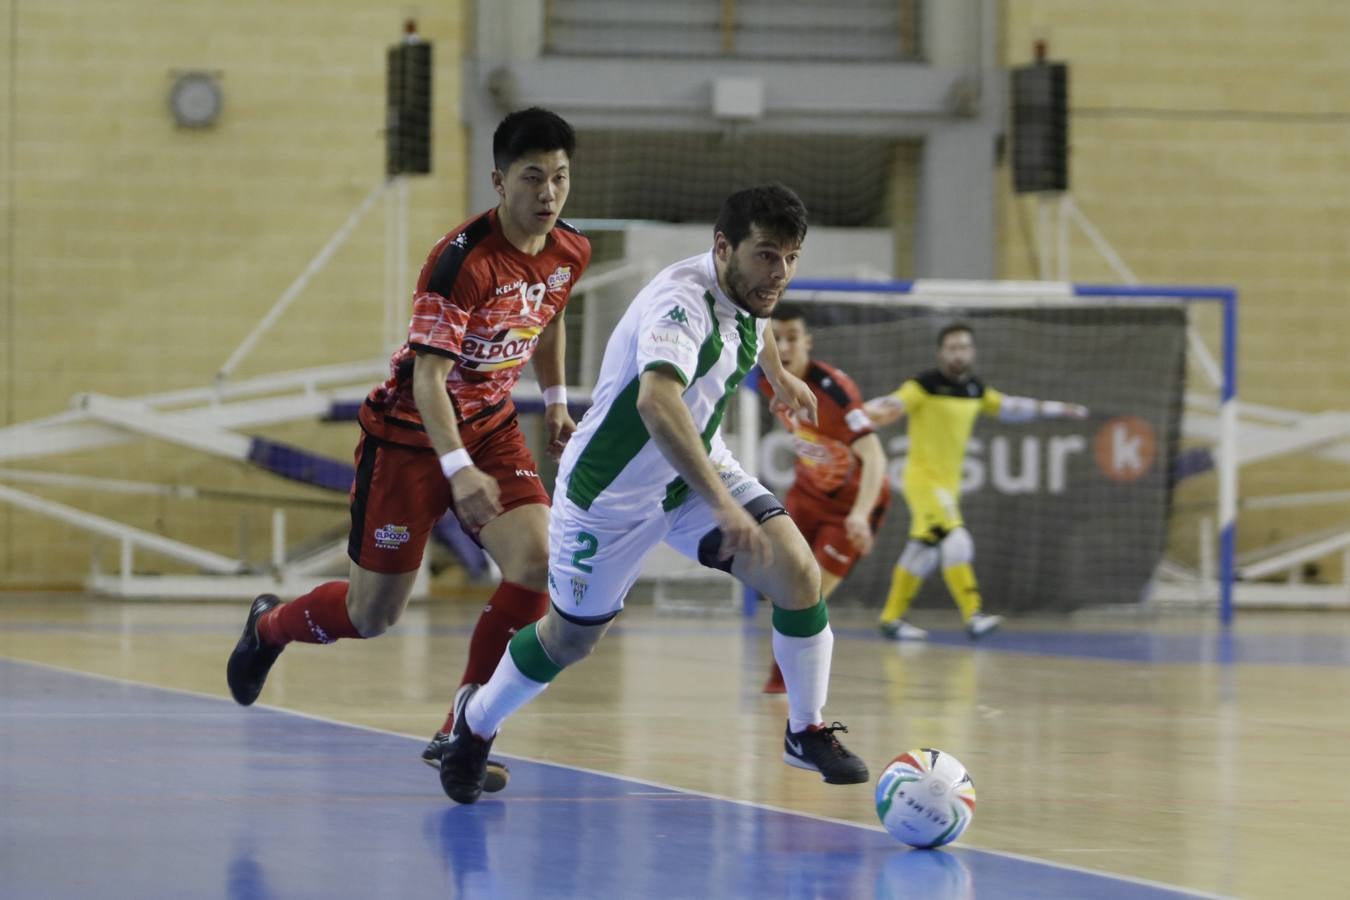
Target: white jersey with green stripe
{"x": 681, "y": 320}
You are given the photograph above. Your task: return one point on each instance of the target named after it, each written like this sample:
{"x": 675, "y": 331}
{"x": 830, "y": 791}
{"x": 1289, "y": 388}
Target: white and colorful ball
{"x": 925, "y": 798}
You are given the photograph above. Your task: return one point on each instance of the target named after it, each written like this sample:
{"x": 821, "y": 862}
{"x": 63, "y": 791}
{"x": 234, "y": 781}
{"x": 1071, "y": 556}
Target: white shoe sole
{"x": 902, "y": 636}
{"x": 801, "y": 764}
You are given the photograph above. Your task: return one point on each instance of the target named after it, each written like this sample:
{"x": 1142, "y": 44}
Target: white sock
{"x": 506, "y": 691}
{"x": 806, "y": 672}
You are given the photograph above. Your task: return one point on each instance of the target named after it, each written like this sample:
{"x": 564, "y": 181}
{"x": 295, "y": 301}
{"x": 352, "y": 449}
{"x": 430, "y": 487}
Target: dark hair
{"x": 777, "y": 211}
{"x": 954, "y": 328}
{"x": 788, "y": 312}
{"x": 527, "y": 130}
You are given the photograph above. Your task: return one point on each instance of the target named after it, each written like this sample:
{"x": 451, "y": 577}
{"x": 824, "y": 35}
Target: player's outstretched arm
{"x": 660, "y": 404}
{"x": 476, "y": 493}
{"x": 1027, "y": 409}
{"x": 549, "y": 368}
{"x": 791, "y": 396}
{"x": 885, "y": 409}
{"x": 1054, "y": 409}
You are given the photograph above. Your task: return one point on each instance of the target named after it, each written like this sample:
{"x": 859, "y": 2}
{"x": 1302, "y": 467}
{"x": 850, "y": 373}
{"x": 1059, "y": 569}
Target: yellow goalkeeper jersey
{"x": 941, "y": 415}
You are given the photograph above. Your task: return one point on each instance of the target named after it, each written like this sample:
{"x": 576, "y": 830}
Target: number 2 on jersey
{"x": 588, "y": 543}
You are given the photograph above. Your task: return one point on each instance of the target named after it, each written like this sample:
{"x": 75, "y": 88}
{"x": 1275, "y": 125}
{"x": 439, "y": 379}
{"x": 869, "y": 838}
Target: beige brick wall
{"x": 902, "y": 204}
{"x": 1211, "y": 144}
{"x": 143, "y": 254}
{"x": 6, "y": 232}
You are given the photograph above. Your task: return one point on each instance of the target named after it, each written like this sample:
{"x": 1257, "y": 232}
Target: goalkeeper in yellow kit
{"x": 941, "y": 405}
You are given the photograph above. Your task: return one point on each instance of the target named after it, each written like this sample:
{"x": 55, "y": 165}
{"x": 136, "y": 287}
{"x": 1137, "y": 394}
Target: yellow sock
{"x": 965, "y": 591}
{"x": 904, "y": 585}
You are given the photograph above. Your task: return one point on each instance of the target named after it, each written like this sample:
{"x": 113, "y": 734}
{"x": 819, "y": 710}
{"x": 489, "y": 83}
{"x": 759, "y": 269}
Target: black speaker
{"x": 1040, "y": 127}
{"x": 407, "y": 133}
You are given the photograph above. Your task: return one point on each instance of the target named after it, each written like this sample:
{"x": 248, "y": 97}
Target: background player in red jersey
{"x": 839, "y": 495}
{"x": 441, "y": 432}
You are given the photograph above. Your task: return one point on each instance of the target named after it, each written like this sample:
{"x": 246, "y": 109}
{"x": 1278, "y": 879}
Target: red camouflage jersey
{"x": 826, "y": 465}
{"x": 481, "y": 302}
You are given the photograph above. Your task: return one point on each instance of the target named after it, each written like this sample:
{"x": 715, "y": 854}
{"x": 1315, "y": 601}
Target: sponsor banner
{"x": 1063, "y": 513}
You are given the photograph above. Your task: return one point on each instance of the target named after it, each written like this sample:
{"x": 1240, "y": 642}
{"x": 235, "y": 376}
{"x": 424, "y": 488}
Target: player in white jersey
{"x": 647, "y": 464}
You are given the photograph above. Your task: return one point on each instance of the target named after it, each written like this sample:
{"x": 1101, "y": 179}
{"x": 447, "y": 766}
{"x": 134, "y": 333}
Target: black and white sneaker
{"x": 464, "y": 755}
{"x": 252, "y": 659}
{"x": 497, "y": 772}
{"x": 818, "y": 750}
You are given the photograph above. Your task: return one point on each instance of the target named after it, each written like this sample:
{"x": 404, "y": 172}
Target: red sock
{"x": 774, "y": 684}
{"x": 319, "y": 617}
{"x": 509, "y": 609}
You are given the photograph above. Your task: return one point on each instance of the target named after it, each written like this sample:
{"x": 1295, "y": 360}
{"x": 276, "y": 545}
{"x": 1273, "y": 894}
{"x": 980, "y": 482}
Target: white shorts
{"x": 593, "y": 558}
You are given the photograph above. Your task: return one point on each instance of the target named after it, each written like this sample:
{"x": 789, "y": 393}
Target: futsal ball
{"x": 925, "y": 798}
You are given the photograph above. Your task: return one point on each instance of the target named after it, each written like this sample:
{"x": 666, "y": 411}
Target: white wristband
{"x": 1052, "y": 409}
{"x": 555, "y": 394}
{"x": 455, "y": 460}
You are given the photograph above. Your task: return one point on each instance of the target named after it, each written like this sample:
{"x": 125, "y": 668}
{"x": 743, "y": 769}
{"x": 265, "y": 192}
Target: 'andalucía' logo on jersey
{"x": 508, "y": 347}
{"x": 677, "y": 314}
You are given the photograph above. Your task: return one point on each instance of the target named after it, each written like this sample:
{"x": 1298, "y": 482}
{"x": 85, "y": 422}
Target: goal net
{"x": 1065, "y": 513}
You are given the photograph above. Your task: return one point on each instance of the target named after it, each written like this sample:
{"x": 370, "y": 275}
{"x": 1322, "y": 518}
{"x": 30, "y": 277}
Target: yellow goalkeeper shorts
{"x": 933, "y": 511}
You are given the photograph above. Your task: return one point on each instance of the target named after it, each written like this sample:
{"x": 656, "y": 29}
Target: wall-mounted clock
{"x": 195, "y": 99}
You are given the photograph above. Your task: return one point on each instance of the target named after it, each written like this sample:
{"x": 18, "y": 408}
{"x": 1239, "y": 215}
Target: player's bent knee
{"x": 764, "y": 509}
{"x": 531, "y": 572}
{"x": 567, "y": 642}
{"x": 957, "y": 547}
{"x": 375, "y": 618}
{"x": 919, "y": 558}
{"x": 369, "y": 623}
{"x": 792, "y": 578}
{"x": 518, "y": 541}
{"x": 794, "y": 570}
{"x": 376, "y": 600}
{"x": 367, "y": 628}
{"x": 805, "y": 578}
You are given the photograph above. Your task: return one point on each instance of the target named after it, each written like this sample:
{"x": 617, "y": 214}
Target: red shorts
{"x": 822, "y": 524}
{"x": 400, "y": 493}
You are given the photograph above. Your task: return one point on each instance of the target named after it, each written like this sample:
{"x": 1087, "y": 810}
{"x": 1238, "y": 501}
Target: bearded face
{"x": 756, "y": 271}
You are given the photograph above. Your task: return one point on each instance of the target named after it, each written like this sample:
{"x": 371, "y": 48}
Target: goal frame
{"x": 956, "y": 293}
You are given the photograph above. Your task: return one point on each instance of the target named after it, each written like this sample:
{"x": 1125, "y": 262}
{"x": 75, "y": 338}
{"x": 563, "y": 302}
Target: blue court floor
{"x": 113, "y": 789}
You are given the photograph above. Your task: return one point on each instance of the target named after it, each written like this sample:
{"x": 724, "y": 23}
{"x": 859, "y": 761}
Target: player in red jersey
{"x": 839, "y": 494}
{"x": 441, "y": 432}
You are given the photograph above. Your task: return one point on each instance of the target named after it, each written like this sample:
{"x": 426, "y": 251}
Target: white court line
{"x": 102, "y": 715}
{"x": 1143, "y": 882}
